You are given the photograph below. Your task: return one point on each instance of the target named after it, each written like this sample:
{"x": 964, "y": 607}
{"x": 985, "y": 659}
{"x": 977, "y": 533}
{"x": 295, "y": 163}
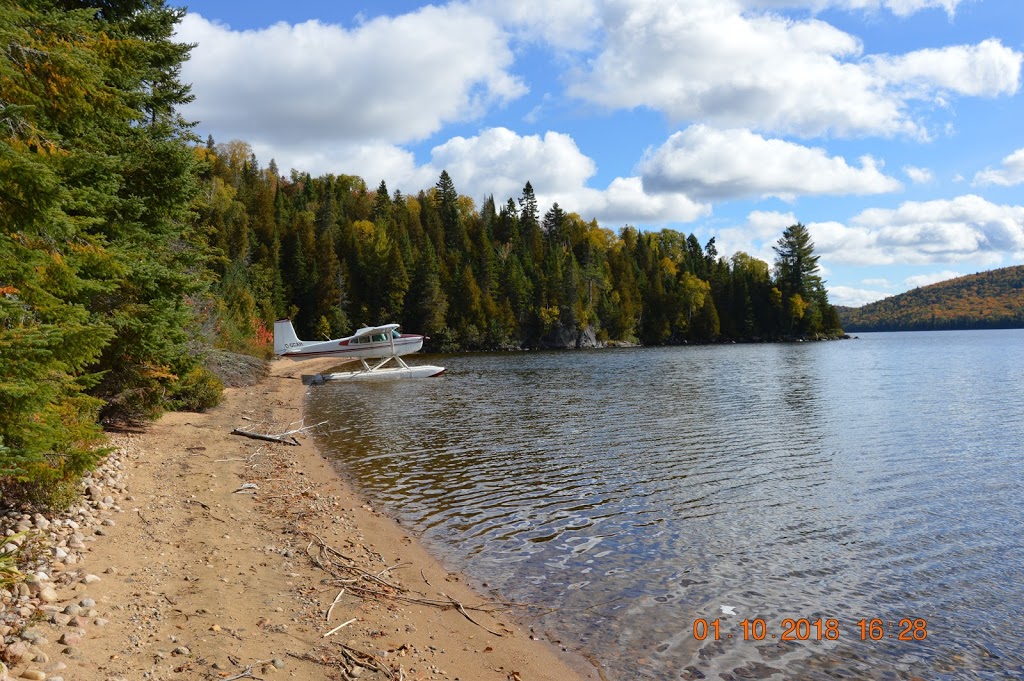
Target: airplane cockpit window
{"x": 395, "y": 334}
{"x": 378, "y": 337}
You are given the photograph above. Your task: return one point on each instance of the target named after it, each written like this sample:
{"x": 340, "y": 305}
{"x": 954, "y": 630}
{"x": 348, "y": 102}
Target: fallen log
{"x": 270, "y": 438}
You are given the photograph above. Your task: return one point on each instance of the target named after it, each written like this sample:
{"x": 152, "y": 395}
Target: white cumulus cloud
{"x": 499, "y": 161}
{"x": 1011, "y": 173}
{"x": 966, "y": 228}
{"x": 721, "y": 62}
{"x": 709, "y": 163}
{"x": 988, "y": 69}
{"x": 387, "y": 80}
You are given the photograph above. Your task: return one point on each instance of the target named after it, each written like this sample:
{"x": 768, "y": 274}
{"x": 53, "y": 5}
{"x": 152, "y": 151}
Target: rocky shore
{"x": 57, "y": 547}
{"x": 197, "y": 554}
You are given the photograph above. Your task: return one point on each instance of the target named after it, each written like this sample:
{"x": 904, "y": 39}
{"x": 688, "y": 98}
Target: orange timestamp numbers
{"x": 803, "y": 629}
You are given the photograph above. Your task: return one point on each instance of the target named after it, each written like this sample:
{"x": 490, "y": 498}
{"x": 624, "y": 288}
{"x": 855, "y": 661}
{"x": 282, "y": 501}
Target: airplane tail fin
{"x": 285, "y": 339}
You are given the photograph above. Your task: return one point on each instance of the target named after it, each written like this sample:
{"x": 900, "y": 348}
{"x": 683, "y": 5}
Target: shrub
{"x": 45, "y": 487}
{"x": 198, "y": 390}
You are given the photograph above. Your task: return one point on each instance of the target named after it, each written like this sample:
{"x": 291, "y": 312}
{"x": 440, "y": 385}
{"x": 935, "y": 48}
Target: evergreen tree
{"x": 99, "y": 261}
{"x": 382, "y": 205}
{"x": 803, "y": 291}
{"x": 529, "y": 226}
{"x": 507, "y": 229}
{"x": 796, "y": 265}
{"x": 554, "y": 225}
{"x": 451, "y": 217}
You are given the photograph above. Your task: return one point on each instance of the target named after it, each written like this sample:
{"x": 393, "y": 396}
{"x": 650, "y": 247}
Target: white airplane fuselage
{"x": 369, "y": 343}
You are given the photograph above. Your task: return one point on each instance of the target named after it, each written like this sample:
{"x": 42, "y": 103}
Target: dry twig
{"x": 341, "y": 626}
{"x": 466, "y": 615}
{"x": 366, "y": 584}
{"x": 336, "y": 599}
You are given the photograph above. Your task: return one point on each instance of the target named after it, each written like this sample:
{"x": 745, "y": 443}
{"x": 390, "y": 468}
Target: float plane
{"x": 384, "y": 343}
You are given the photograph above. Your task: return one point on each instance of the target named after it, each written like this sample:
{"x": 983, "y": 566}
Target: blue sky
{"x": 894, "y": 129}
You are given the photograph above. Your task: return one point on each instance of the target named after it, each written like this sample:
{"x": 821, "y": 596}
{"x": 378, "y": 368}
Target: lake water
{"x": 635, "y": 491}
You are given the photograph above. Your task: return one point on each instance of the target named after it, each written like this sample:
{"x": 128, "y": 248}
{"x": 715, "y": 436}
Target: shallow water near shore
{"x": 633, "y": 492}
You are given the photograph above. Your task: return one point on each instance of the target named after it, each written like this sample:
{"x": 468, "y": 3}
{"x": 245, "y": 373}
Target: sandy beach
{"x": 225, "y": 557}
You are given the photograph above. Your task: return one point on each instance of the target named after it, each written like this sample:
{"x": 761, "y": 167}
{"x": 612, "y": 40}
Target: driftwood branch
{"x": 270, "y": 438}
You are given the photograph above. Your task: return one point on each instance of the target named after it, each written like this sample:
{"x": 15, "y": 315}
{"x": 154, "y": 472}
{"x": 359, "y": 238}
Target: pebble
{"x": 48, "y": 594}
{"x": 34, "y": 674}
{"x": 17, "y": 652}
{"x": 33, "y": 636}
{"x": 91, "y": 579}
{"x": 182, "y": 650}
{"x": 87, "y": 602}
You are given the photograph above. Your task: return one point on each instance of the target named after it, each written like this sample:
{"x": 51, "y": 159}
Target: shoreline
{"x": 220, "y": 557}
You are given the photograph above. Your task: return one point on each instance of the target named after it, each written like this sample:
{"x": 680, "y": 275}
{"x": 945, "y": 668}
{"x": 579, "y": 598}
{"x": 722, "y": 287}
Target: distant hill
{"x": 989, "y": 300}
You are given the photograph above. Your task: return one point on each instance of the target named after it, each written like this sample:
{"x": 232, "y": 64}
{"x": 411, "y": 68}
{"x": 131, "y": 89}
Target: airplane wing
{"x": 369, "y": 330}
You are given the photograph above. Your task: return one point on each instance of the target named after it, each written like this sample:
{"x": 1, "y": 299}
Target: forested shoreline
{"x": 130, "y": 248}
{"x": 986, "y": 300}
{"x": 332, "y": 254}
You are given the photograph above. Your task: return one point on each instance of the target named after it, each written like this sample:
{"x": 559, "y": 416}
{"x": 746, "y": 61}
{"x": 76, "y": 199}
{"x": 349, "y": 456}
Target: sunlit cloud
{"x": 709, "y": 163}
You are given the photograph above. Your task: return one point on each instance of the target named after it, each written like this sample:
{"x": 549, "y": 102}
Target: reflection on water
{"x": 637, "y": 490}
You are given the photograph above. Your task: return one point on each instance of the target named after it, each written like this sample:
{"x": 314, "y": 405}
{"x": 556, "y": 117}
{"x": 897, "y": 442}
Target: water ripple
{"x": 638, "y": 490}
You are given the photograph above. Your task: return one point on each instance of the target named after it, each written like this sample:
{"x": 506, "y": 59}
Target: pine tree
{"x": 796, "y": 273}
{"x": 796, "y": 265}
{"x": 455, "y": 238}
{"x": 99, "y": 261}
